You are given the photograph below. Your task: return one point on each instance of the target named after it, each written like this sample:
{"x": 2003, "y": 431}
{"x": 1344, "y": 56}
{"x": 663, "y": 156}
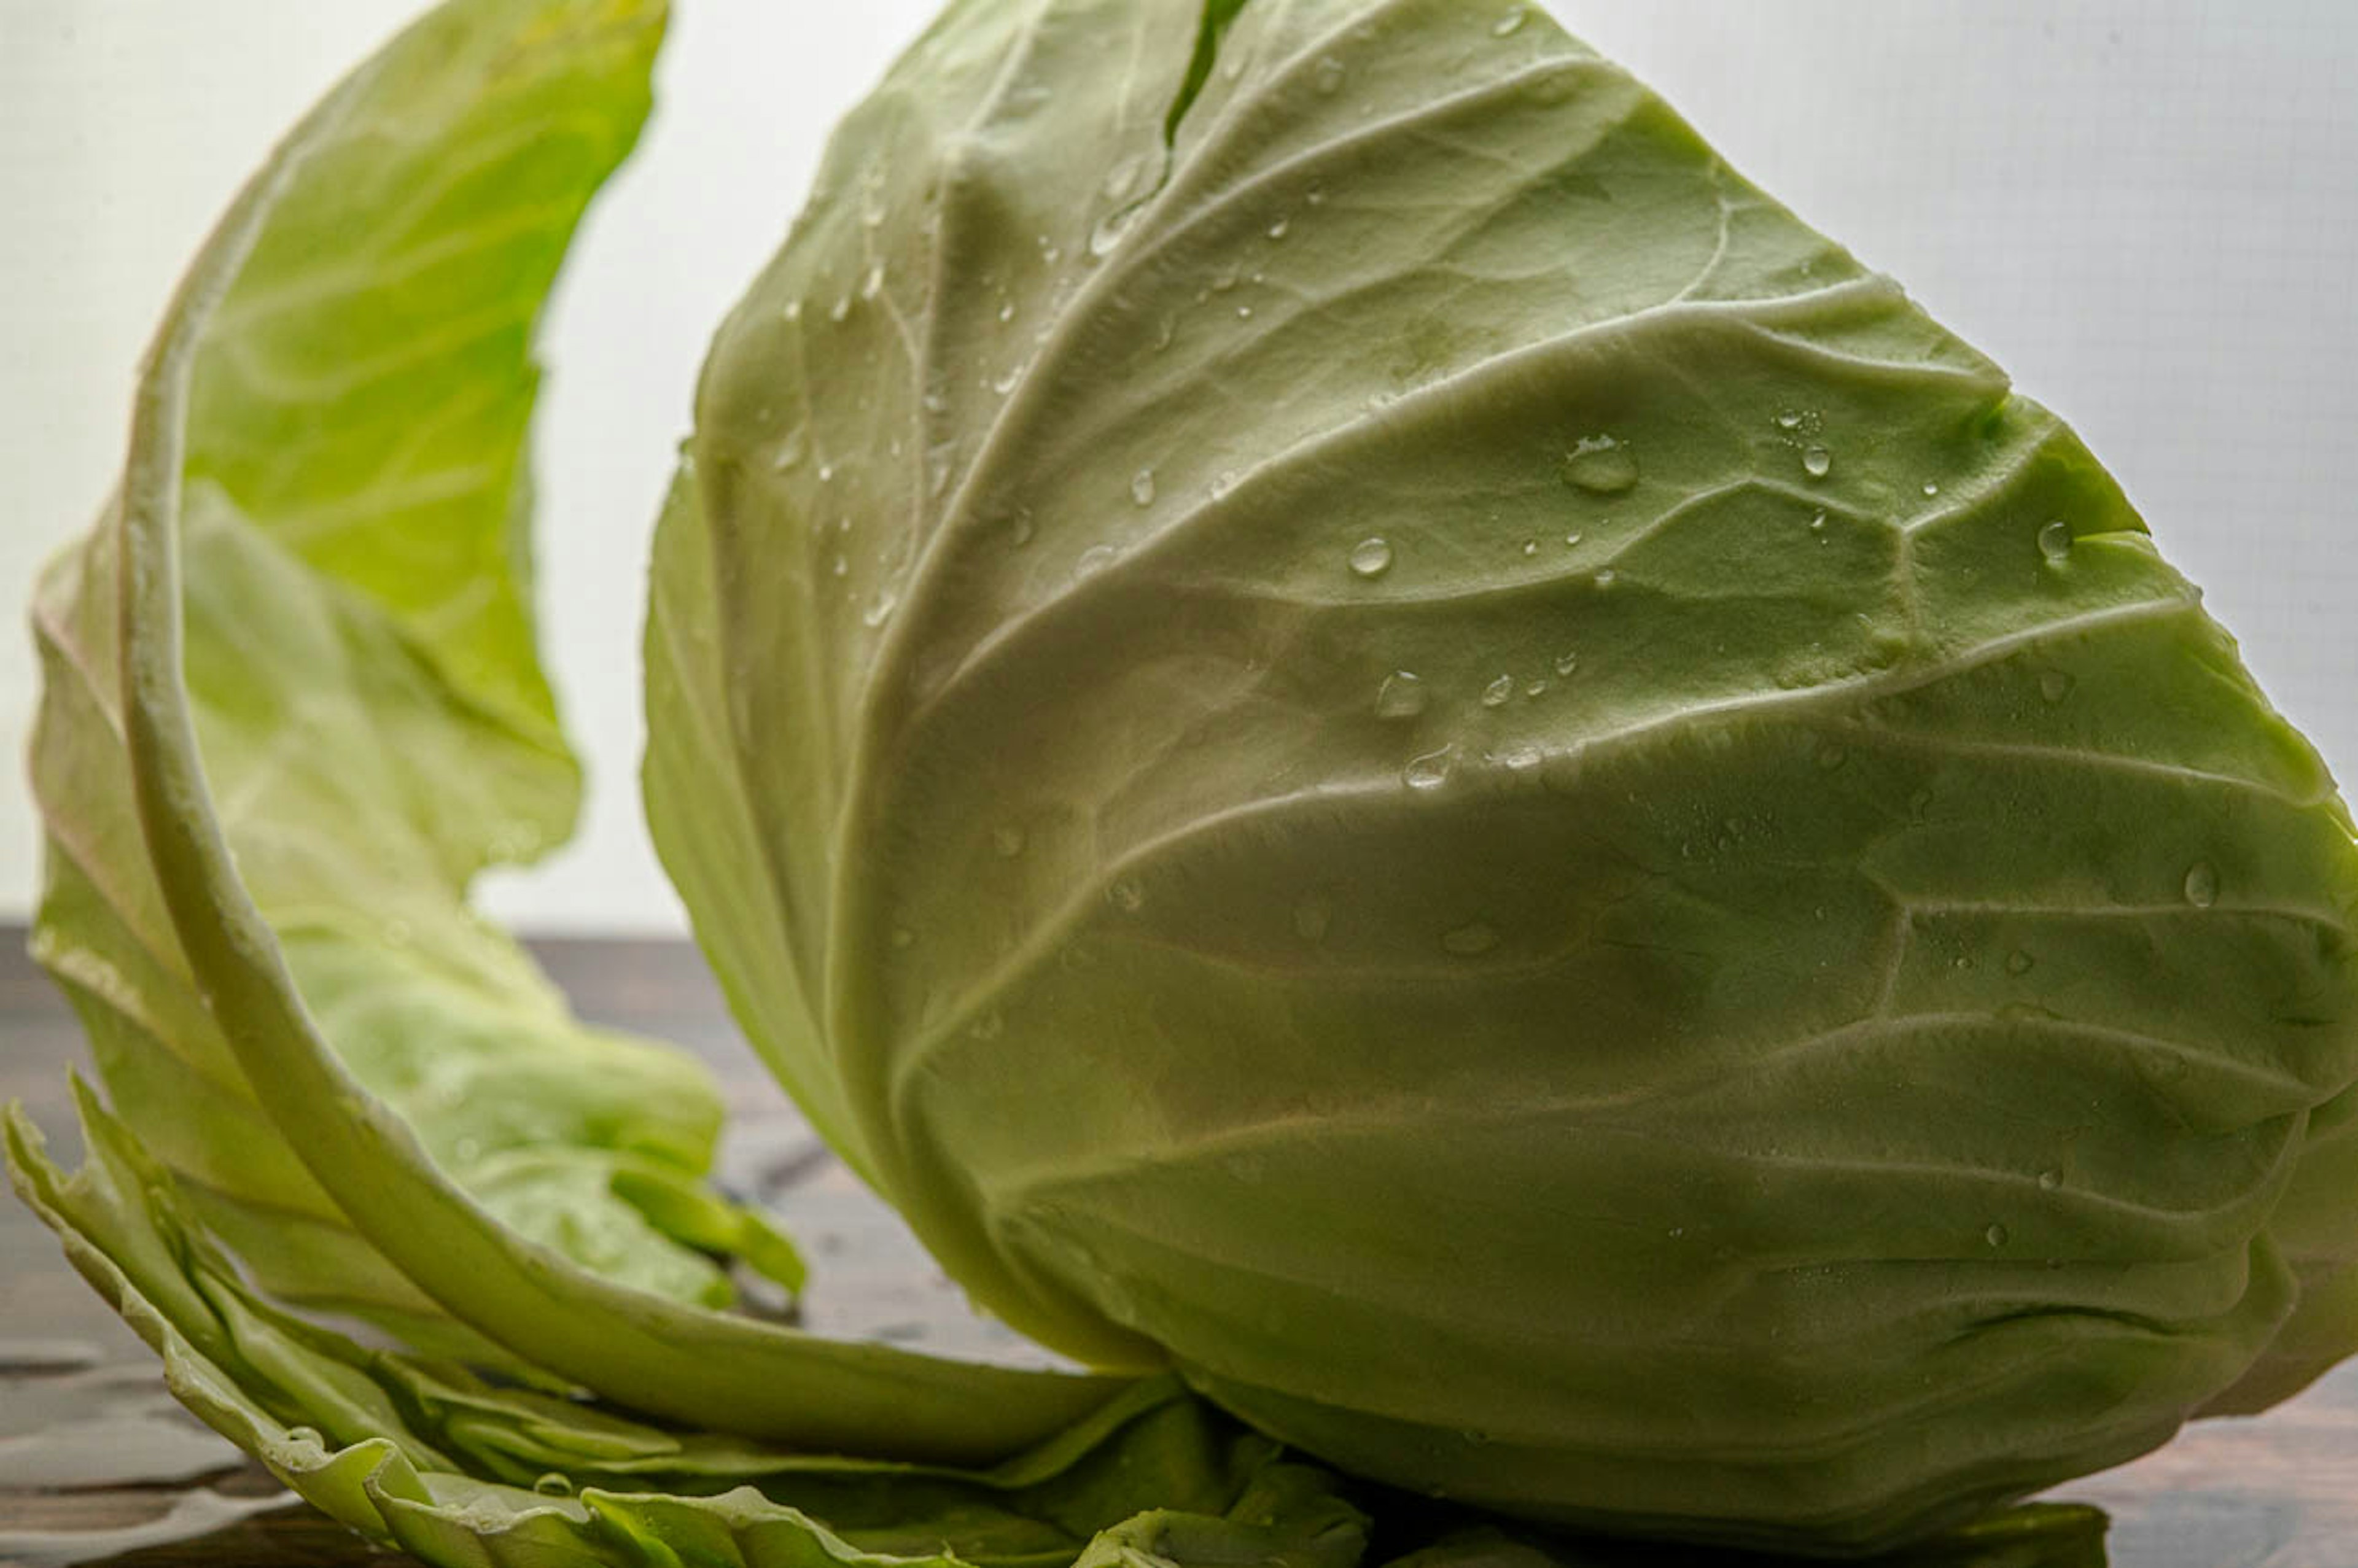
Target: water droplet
{"x": 1471, "y": 940}
{"x": 793, "y": 311}
{"x": 826, "y": 473}
{"x": 1603, "y": 578}
{"x": 1995, "y": 1236}
{"x": 1123, "y": 180}
{"x": 1961, "y": 962}
{"x": 2055, "y": 540}
{"x": 902, "y": 936}
{"x": 1932, "y": 487}
{"x": 989, "y": 1026}
{"x": 1509, "y": 23}
{"x": 2049, "y": 1179}
{"x": 1312, "y": 916}
{"x": 1277, "y": 230}
{"x": 1049, "y": 254}
{"x": 1536, "y": 687}
{"x": 1818, "y": 525}
{"x": 1791, "y": 420}
{"x": 1327, "y": 76}
{"x": 1566, "y": 662}
{"x": 1003, "y": 385}
{"x": 1522, "y": 758}
{"x": 1127, "y": 895}
{"x": 1020, "y": 529}
{"x": 1430, "y": 771}
{"x": 554, "y": 1485}
{"x": 1315, "y": 196}
{"x": 1402, "y": 696}
{"x": 1371, "y": 558}
{"x": 789, "y": 453}
{"x": 879, "y": 608}
{"x": 1007, "y": 841}
{"x": 1244, "y": 312}
{"x": 1531, "y": 546}
{"x": 1108, "y": 230}
{"x": 1224, "y": 279}
{"x": 839, "y": 566}
{"x": 1094, "y": 559}
{"x": 873, "y": 283}
{"x": 1141, "y": 487}
{"x": 2055, "y": 684}
{"x": 2018, "y": 962}
{"x": 2201, "y": 884}
{"x": 1223, "y": 482}
{"x": 1496, "y": 693}
{"x": 840, "y": 309}
{"x": 1007, "y": 310}
{"x": 1601, "y": 465}
{"x": 1572, "y": 539}
{"x": 1817, "y": 462}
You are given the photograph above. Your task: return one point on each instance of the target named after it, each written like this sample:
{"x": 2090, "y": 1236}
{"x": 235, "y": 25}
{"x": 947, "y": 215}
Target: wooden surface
{"x": 2277, "y": 1492}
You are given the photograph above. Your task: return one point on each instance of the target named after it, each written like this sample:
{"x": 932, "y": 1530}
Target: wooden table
{"x": 2277, "y": 1492}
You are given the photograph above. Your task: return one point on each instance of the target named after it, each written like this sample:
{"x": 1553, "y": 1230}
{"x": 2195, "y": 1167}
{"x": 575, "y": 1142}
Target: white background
{"x": 2147, "y": 210}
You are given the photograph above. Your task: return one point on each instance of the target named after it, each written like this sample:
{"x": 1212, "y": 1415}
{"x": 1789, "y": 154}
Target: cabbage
{"x": 1408, "y": 771}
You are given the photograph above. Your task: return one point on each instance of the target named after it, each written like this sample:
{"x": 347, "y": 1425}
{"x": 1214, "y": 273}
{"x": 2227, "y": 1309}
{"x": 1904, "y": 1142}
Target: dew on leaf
{"x": 1601, "y": 465}
{"x": 1402, "y": 696}
{"x": 1371, "y": 558}
{"x": 1430, "y": 771}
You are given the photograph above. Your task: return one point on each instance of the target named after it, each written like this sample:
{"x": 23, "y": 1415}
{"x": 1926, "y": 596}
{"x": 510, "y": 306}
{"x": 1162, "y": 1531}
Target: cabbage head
{"x": 1413, "y": 775}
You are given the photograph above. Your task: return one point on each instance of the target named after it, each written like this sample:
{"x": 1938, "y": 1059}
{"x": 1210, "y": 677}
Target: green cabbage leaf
{"x": 1282, "y": 619}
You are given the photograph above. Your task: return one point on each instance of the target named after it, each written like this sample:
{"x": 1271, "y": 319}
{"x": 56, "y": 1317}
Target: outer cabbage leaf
{"x": 363, "y": 683}
{"x": 466, "y": 1473}
{"x": 292, "y": 711}
{"x": 1410, "y": 747}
